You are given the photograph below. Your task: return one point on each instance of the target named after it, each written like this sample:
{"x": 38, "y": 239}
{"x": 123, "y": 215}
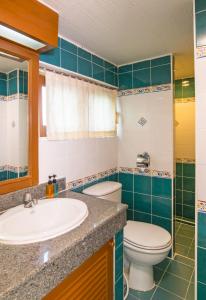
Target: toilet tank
{"x": 109, "y": 190}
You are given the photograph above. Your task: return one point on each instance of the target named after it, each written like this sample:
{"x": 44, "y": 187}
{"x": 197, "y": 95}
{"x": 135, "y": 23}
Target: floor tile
{"x": 184, "y": 260}
{"x": 158, "y": 273}
{"x": 174, "y": 284}
{"x": 180, "y": 270}
{"x": 191, "y": 253}
{"x": 131, "y": 297}
{"x": 161, "y": 294}
{"x": 183, "y": 240}
{"x": 142, "y": 295}
{"x": 163, "y": 264}
{"x": 180, "y": 249}
{"x": 191, "y": 292}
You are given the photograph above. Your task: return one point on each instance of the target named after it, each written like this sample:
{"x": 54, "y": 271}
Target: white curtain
{"x": 78, "y": 109}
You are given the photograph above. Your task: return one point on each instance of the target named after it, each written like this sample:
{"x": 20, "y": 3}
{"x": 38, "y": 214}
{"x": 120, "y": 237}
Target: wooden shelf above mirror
{"x": 32, "y": 19}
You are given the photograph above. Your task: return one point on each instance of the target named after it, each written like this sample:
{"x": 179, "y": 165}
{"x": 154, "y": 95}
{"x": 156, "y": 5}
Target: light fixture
{"x": 185, "y": 83}
{"x": 20, "y": 38}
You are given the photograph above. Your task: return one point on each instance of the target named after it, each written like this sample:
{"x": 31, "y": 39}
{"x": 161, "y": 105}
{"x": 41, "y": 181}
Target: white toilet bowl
{"x": 145, "y": 245}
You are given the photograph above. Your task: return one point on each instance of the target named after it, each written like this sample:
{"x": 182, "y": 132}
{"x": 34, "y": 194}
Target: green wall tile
{"x": 189, "y": 184}
{"x": 189, "y": 198}
{"x": 179, "y": 209}
{"x": 201, "y": 230}
{"x": 162, "y": 207}
{"x": 109, "y": 77}
{"x": 178, "y": 88}
{"x": 201, "y": 262}
{"x": 200, "y": 5}
{"x": 97, "y": 60}
{"x": 12, "y": 86}
{"x": 179, "y": 169}
{"x": 127, "y": 181}
{"x": 51, "y": 57}
{"x": 142, "y": 203}
{"x": 127, "y": 198}
{"x": 141, "y": 78}
{"x": 126, "y": 68}
{"x": 68, "y": 61}
{"x": 3, "y": 76}
{"x": 3, "y": 87}
{"x": 142, "y": 184}
{"x": 165, "y": 223}
{"x": 84, "y": 54}
{"x": 68, "y": 46}
{"x": 129, "y": 214}
{"x": 161, "y": 75}
{"x": 98, "y": 72}
{"x": 141, "y": 65}
{"x": 189, "y": 170}
{"x": 161, "y": 61}
{"x": 125, "y": 81}
{"x": 162, "y": 187}
{"x": 119, "y": 289}
{"x": 200, "y": 28}
{"x": 84, "y": 67}
{"x": 179, "y": 183}
{"x": 142, "y": 217}
{"x": 110, "y": 66}
{"x": 179, "y": 196}
{"x": 201, "y": 291}
{"x": 119, "y": 238}
{"x": 189, "y": 212}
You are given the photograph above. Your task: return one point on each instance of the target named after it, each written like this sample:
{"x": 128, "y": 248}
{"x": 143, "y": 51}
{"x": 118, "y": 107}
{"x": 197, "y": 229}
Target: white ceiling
{"x": 124, "y": 31}
{"x": 7, "y": 64}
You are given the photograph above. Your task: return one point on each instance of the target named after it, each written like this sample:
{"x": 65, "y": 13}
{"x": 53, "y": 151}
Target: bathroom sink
{"x": 48, "y": 219}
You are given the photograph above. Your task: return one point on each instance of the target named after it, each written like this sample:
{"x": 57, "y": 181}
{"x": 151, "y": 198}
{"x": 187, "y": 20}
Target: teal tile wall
{"x": 201, "y": 257}
{"x": 149, "y": 199}
{"x": 146, "y": 73}
{"x": 184, "y": 91}
{"x": 76, "y": 59}
{"x": 119, "y": 265}
{"x": 185, "y": 190}
{"x": 200, "y": 12}
{"x": 9, "y": 83}
{"x": 3, "y": 84}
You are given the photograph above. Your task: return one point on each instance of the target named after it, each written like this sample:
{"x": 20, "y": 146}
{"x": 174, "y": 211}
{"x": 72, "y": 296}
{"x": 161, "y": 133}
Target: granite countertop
{"x": 31, "y": 271}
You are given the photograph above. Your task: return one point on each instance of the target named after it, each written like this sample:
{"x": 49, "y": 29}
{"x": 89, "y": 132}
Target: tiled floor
{"x": 185, "y": 239}
{"x": 174, "y": 281}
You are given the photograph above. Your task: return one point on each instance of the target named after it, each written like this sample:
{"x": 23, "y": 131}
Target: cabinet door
{"x": 93, "y": 280}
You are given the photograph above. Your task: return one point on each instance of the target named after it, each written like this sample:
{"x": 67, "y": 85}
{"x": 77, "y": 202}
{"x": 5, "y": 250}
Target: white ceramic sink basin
{"x": 48, "y": 219}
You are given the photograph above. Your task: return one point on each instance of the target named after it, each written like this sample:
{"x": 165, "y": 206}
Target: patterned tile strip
{"x": 201, "y": 52}
{"x": 201, "y": 206}
{"x": 145, "y": 90}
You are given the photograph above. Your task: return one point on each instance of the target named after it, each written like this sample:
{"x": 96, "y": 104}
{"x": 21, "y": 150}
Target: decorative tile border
{"x": 16, "y": 169}
{"x": 146, "y": 90}
{"x": 201, "y": 52}
{"x": 79, "y": 182}
{"x": 184, "y": 100}
{"x": 13, "y": 97}
{"x": 201, "y": 206}
{"x": 185, "y": 160}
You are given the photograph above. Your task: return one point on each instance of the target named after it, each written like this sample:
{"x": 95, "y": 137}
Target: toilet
{"x": 145, "y": 245}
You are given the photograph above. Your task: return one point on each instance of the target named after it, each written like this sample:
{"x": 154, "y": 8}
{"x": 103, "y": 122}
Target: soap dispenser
{"x": 55, "y": 184}
{"x": 50, "y": 188}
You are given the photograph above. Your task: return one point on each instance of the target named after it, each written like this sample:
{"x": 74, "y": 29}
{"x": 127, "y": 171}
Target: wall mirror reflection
{"x": 13, "y": 117}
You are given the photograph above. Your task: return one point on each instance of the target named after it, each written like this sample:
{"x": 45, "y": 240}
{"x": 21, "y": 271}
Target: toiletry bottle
{"x": 50, "y": 188}
{"x": 56, "y": 187}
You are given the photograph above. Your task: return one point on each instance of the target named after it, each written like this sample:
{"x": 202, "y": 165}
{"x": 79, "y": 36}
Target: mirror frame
{"x": 32, "y": 58}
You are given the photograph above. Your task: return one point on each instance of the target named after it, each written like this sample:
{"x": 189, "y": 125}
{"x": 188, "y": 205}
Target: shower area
{"x": 184, "y": 109}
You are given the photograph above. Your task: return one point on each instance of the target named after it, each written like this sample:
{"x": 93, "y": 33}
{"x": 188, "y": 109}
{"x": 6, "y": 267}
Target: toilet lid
{"x": 147, "y": 236}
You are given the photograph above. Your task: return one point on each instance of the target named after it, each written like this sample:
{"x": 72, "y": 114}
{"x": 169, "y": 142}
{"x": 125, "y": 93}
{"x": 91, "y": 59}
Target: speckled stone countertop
{"x": 31, "y": 271}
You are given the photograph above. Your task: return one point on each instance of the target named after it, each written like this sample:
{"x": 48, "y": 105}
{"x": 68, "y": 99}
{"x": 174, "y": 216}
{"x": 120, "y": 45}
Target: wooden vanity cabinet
{"x": 93, "y": 280}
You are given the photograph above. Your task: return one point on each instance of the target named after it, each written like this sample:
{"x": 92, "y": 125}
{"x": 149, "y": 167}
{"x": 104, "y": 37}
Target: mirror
{"x": 13, "y": 117}
{"x": 19, "y": 73}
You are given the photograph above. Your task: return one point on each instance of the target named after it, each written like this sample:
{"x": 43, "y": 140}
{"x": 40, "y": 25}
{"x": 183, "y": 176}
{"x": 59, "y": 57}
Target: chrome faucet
{"x": 28, "y": 201}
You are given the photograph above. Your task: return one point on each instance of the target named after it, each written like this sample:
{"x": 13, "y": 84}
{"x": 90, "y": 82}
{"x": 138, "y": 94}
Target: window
{"x": 73, "y": 108}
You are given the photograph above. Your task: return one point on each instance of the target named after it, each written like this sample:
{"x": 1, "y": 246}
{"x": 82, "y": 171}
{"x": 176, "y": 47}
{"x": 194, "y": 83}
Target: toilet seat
{"x": 145, "y": 236}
